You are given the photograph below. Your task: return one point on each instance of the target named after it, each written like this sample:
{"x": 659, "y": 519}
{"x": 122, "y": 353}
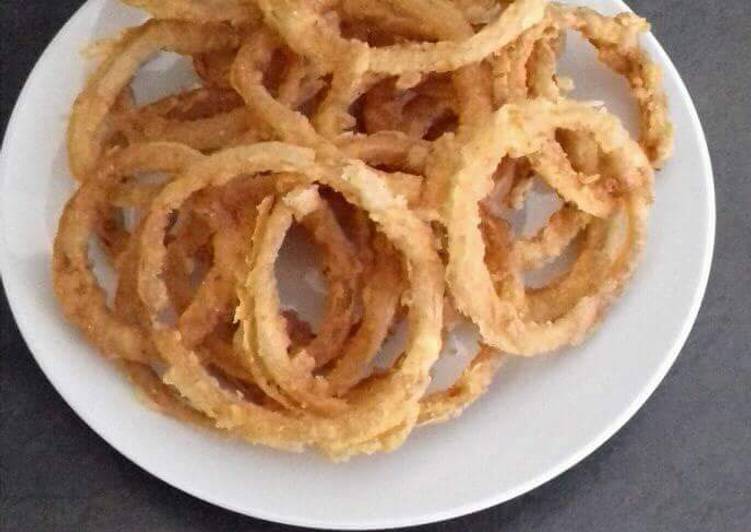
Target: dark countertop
{"x": 682, "y": 463}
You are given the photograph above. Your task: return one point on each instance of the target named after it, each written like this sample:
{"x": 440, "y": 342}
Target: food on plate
{"x": 400, "y": 139}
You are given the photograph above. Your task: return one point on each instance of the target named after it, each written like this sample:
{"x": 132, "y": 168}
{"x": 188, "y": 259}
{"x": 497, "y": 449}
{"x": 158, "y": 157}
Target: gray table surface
{"x": 682, "y": 463}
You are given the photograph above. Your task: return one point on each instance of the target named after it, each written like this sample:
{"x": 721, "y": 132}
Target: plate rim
{"x": 561, "y": 467}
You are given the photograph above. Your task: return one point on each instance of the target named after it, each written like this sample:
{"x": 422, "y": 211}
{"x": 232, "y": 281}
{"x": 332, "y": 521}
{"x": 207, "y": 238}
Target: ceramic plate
{"x": 541, "y": 416}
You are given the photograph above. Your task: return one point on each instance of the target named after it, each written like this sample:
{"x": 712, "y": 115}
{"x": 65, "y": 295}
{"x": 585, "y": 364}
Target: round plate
{"x": 540, "y": 417}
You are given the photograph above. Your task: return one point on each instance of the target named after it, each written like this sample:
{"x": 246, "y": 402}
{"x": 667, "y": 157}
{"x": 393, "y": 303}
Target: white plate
{"x": 541, "y": 416}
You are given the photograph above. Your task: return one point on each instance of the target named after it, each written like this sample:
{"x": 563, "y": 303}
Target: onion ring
{"x": 360, "y": 428}
{"x": 616, "y": 40}
{"x": 113, "y": 75}
{"x": 83, "y": 300}
{"x": 499, "y": 321}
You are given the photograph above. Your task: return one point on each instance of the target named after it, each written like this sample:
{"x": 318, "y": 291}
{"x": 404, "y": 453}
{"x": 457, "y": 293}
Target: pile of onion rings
{"x": 397, "y": 135}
